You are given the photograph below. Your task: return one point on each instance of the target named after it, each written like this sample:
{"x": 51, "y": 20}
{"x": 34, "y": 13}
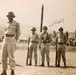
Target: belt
{"x": 45, "y": 42}
{"x": 10, "y": 35}
{"x": 34, "y": 41}
{"x": 60, "y": 43}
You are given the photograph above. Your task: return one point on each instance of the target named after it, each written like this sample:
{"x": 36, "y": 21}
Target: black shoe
{"x": 3, "y": 73}
{"x": 35, "y": 63}
{"x": 65, "y": 65}
{"x": 58, "y": 65}
{"x": 42, "y": 64}
{"x": 12, "y": 72}
{"x": 30, "y": 63}
{"x": 48, "y": 64}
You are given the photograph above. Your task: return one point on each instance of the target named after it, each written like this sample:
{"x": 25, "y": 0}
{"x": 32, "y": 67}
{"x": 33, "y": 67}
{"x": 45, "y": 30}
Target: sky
{"x": 57, "y": 13}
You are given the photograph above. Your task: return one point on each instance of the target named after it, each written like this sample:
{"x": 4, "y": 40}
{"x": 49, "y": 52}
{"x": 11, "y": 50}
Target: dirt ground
{"x": 22, "y": 69}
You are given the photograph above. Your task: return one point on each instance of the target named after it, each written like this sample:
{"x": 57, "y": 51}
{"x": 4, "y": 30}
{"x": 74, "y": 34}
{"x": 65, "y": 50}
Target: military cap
{"x": 60, "y": 29}
{"x": 33, "y": 29}
{"x": 11, "y": 14}
{"x": 45, "y": 28}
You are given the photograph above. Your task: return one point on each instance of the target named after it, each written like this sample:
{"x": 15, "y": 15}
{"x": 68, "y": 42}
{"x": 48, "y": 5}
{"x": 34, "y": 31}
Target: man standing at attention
{"x": 11, "y": 34}
{"x": 45, "y": 40}
{"x": 61, "y": 48}
{"x": 33, "y": 41}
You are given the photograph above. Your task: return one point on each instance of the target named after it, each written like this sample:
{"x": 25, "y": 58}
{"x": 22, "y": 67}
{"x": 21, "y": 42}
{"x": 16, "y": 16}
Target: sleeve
{"x": 28, "y": 40}
{"x": 50, "y": 38}
{"x": 18, "y": 32}
{"x": 38, "y": 38}
{"x": 40, "y": 41}
{"x": 65, "y": 39}
{"x": 57, "y": 37}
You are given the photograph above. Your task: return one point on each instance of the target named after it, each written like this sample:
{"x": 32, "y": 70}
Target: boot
{"x": 48, "y": 64}
{"x": 42, "y": 63}
{"x": 30, "y": 63}
{"x": 64, "y": 64}
{"x": 36, "y": 63}
{"x": 3, "y": 73}
{"x": 58, "y": 65}
{"x": 12, "y": 72}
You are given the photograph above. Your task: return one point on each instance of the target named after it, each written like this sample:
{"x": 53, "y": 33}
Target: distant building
{"x": 23, "y": 39}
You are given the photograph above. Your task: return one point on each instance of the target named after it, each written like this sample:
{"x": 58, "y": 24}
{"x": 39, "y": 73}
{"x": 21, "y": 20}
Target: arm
{"x": 27, "y": 51}
{"x": 40, "y": 42}
{"x": 38, "y": 38}
{"x": 56, "y": 53}
{"x": 28, "y": 40}
{"x": 18, "y": 32}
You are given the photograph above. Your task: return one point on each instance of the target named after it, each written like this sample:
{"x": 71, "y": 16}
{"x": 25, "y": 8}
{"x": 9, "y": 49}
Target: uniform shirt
{"x": 12, "y": 28}
{"x": 45, "y": 38}
{"x": 33, "y": 37}
{"x": 61, "y": 38}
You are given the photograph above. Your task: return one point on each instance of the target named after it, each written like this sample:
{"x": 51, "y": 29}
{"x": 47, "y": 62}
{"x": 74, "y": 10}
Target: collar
{"x": 11, "y": 22}
{"x": 61, "y": 33}
{"x": 45, "y": 33}
{"x": 34, "y": 33}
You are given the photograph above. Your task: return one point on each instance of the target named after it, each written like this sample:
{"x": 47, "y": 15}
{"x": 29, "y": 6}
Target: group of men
{"x": 12, "y": 33}
{"x": 44, "y": 41}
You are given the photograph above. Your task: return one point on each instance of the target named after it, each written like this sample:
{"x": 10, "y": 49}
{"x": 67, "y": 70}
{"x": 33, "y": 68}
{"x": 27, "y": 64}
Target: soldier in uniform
{"x": 61, "y": 40}
{"x": 11, "y": 34}
{"x": 33, "y": 41}
{"x": 44, "y": 46}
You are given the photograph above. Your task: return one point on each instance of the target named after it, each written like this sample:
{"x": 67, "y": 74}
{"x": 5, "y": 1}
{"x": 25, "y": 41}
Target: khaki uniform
{"x": 11, "y": 34}
{"x": 44, "y": 42}
{"x": 33, "y": 41}
{"x": 61, "y": 48}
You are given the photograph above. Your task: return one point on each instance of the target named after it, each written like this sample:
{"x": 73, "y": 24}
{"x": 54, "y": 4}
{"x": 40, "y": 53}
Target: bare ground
{"x": 22, "y": 69}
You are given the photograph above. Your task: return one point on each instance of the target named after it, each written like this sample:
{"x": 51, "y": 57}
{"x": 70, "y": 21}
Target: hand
{"x": 27, "y": 46}
{"x": 39, "y": 47}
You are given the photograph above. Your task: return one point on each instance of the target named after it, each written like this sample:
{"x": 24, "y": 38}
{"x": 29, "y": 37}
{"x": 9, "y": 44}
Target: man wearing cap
{"x": 11, "y": 34}
{"x": 33, "y": 41}
{"x": 61, "y": 40}
{"x": 45, "y": 39}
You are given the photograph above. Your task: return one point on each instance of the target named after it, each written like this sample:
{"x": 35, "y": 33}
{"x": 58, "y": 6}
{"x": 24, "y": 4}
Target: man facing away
{"x": 11, "y": 34}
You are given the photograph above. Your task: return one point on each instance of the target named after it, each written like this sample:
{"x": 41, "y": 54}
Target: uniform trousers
{"x": 33, "y": 48}
{"x": 8, "y": 49}
{"x": 61, "y": 52}
{"x": 45, "y": 51}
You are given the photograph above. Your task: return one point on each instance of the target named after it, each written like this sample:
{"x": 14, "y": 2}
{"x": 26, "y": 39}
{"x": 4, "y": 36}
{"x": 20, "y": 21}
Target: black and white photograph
{"x": 37, "y": 37}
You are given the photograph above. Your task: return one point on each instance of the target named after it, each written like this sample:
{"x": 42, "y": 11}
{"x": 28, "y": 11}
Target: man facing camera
{"x": 11, "y": 34}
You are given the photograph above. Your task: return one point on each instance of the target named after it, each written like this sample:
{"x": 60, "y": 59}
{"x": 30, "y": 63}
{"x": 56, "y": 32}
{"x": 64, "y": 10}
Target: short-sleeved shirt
{"x": 45, "y": 38}
{"x": 34, "y": 37}
{"x": 61, "y": 38}
{"x": 12, "y": 28}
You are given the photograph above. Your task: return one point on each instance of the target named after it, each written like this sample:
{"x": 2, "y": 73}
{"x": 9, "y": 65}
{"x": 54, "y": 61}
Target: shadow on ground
{"x": 58, "y": 67}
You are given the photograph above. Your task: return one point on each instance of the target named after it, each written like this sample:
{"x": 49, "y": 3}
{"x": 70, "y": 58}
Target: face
{"x": 10, "y": 18}
{"x": 61, "y": 31}
{"x": 33, "y": 31}
{"x": 45, "y": 31}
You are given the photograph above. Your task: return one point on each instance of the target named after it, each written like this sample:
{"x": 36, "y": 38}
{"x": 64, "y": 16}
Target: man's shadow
{"x": 57, "y": 67}
{"x": 62, "y": 67}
